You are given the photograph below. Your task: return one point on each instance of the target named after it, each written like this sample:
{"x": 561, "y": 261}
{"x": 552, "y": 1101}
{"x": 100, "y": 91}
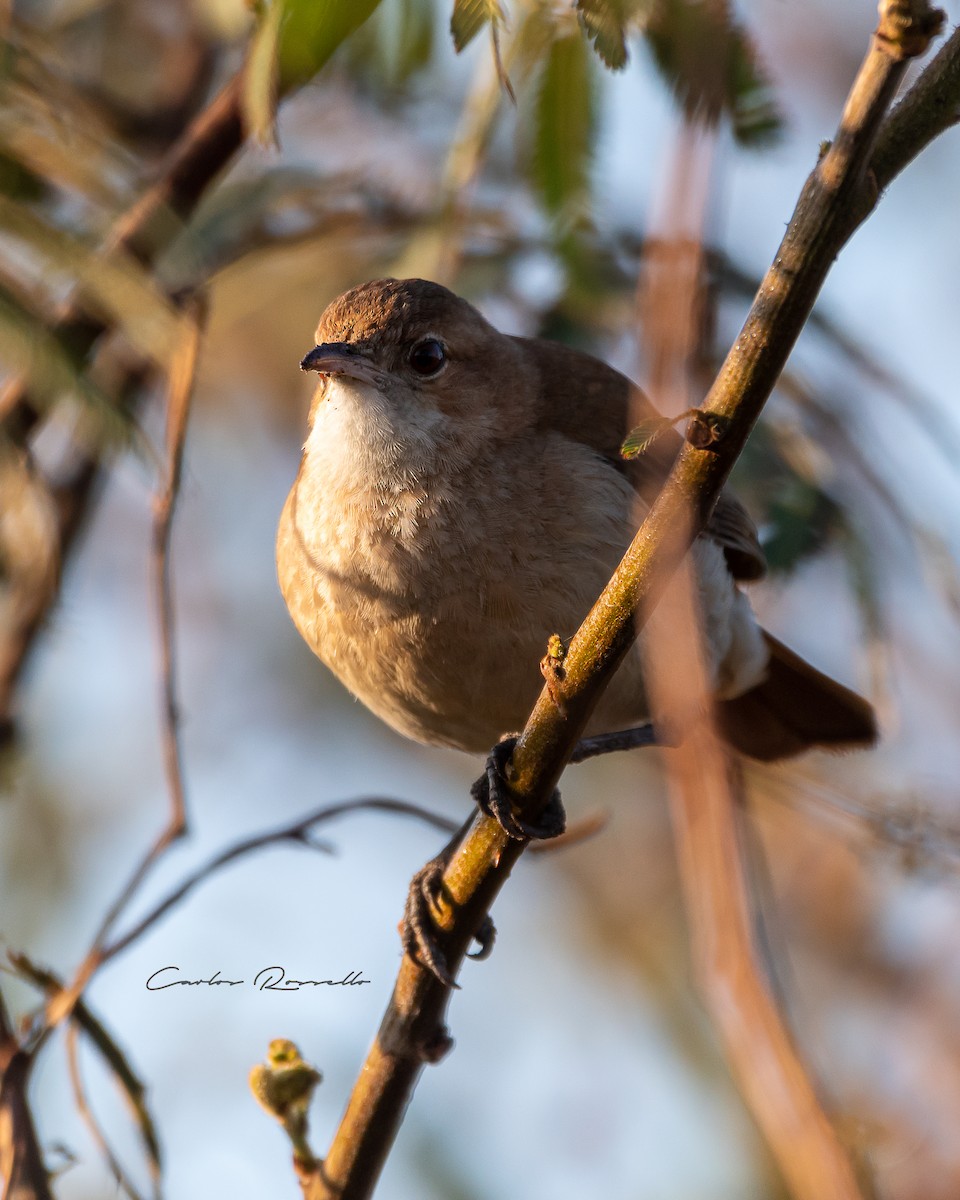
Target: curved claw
{"x": 485, "y": 936}
{"x": 418, "y": 931}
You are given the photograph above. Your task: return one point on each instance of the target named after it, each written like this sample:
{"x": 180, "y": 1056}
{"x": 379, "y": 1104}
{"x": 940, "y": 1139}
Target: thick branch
{"x": 836, "y": 198}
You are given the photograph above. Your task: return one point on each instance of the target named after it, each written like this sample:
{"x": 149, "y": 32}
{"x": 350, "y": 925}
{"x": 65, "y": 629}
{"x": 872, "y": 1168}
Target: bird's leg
{"x": 624, "y": 739}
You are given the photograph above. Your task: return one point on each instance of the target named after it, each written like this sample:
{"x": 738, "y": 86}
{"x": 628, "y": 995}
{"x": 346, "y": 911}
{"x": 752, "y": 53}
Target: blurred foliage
{"x": 710, "y": 63}
{"x": 470, "y": 16}
{"x": 799, "y": 517}
{"x": 566, "y": 125}
{"x": 292, "y": 42}
{"x": 607, "y": 24}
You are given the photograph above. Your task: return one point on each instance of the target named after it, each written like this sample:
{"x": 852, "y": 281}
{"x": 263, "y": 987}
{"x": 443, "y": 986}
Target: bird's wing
{"x": 591, "y": 403}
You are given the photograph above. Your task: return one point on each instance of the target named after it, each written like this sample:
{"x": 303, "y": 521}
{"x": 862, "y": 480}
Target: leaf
{"x": 606, "y": 24}
{"x": 756, "y": 117}
{"x": 711, "y": 65}
{"x": 798, "y": 517}
{"x": 639, "y": 440}
{"x": 310, "y": 32}
{"x": 566, "y": 118}
{"x": 259, "y": 100}
{"x": 394, "y": 45}
{"x": 470, "y": 16}
{"x": 800, "y": 520}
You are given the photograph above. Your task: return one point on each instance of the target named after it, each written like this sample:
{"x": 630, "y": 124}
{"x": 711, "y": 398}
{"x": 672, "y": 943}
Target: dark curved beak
{"x": 338, "y": 358}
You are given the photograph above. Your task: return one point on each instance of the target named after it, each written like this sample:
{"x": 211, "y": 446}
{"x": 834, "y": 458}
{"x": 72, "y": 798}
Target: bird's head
{"x": 421, "y": 357}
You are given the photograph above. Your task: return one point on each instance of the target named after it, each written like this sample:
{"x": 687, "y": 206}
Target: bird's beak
{"x": 339, "y": 358}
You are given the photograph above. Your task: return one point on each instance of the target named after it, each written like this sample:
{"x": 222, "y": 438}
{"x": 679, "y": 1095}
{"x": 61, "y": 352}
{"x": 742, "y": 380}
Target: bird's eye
{"x": 427, "y": 357}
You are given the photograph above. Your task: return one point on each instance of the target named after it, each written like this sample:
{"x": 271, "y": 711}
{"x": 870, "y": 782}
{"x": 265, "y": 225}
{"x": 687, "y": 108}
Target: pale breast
{"x": 432, "y": 599}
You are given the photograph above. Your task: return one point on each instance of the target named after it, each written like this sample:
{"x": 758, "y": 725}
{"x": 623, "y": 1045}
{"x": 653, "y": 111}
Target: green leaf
{"x": 260, "y": 79}
{"x": 711, "y": 65}
{"x": 798, "y": 518}
{"x": 470, "y": 16}
{"x": 755, "y": 114}
{"x": 394, "y": 45}
{"x": 606, "y": 24}
{"x": 310, "y": 32}
{"x": 639, "y": 440}
{"x": 566, "y": 119}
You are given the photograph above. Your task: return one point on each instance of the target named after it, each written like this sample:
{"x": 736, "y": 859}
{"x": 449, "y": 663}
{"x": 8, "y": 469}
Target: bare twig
{"x": 764, "y": 1059}
{"x": 83, "y": 1020}
{"x": 182, "y": 374}
{"x": 834, "y": 201}
{"x": 772, "y": 1076}
{"x": 299, "y": 832}
{"x": 93, "y": 1125}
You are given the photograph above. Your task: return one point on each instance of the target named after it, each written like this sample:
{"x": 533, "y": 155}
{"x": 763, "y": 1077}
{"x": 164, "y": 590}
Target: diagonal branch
{"x": 837, "y": 197}
{"x": 22, "y": 1171}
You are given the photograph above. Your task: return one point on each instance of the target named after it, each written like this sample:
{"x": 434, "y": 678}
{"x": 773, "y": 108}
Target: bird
{"x": 461, "y": 499}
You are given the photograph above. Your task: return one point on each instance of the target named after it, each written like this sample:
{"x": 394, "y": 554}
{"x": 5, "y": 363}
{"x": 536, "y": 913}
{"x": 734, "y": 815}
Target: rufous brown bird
{"x": 461, "y": 498}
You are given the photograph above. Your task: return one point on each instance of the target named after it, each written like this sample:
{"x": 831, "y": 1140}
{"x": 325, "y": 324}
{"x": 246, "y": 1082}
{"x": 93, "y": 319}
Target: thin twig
{"x": 298, "y": 831}
{"x": 836, "y": 198}
{"x": 85, "y": 1112}
{"x": 182, "y": 375}
{"x": 773, "y": 1078}
{"x": 116, "y": 1062}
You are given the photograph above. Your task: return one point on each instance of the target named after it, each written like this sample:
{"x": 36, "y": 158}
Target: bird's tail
{"x": 794, "y": 709}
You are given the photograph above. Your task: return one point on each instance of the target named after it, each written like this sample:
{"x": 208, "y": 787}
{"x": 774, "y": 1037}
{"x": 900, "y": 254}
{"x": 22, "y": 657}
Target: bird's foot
{"x": 492, "y": 795}
{"x": 418, "y": 929}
